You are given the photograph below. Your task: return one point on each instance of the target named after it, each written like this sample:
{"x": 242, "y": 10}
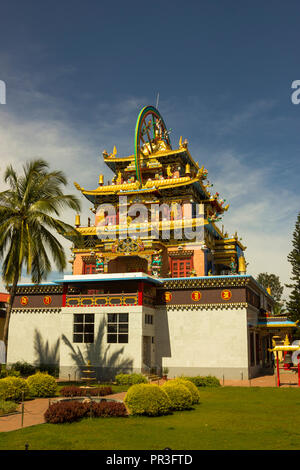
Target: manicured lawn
{"x": 227, "y": 418}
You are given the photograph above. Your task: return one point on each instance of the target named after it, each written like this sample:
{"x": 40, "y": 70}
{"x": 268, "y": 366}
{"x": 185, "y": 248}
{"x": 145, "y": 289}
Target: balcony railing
{"x": 102, "y": 300}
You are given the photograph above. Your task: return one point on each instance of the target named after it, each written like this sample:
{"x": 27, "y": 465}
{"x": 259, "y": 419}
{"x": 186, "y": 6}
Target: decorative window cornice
{"x": 181, "y": 253}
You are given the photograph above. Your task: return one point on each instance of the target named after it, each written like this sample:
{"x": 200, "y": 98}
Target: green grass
{"x": 226, "y": 418}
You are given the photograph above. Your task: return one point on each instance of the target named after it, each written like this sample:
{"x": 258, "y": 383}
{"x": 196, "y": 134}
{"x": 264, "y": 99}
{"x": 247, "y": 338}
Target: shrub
{"x": 67, "y": 412}
{"x": 130, "y": 379}
{"x": 192, "y": 388}
{"x": 42, "y": 385}
{"x": 49, "y": 369}
{"x": 13, "y": 388}
{"x": 24, "y": 368}
{"x": 179, "y": 395}
{"x": 7, "y": 407}
{"x": 73, "y": 391}
{"x": 9, "y": 373}
{"x": 147, "y": 399}
{"x": 108, "y": 408}
{"x": 206, "y": 381}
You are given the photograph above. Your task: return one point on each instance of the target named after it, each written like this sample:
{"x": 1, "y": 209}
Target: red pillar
{"x": 277, "y": 363}
{"x": 140, "y": 293}
{"x": 64, "y": 296}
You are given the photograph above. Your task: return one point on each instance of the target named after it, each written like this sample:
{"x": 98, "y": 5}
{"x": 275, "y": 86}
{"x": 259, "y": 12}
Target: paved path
{"x": 34, "y": 411}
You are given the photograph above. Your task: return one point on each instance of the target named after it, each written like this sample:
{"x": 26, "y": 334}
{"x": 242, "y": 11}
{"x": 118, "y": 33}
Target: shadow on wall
{"x": 47, "y": 358}
{"x": 106, "y": 365}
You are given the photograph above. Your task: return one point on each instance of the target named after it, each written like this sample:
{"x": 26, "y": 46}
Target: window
{"x": 181, "y": 267}
{"x": 149, "y": 319}
{"x": 117, "y": 327}
{"x": 89, "y": 268}
{"x": 83, "y": 328}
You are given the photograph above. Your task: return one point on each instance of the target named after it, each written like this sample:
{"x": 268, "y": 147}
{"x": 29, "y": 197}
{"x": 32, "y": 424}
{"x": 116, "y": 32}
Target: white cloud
{"x": 260, "y": 211}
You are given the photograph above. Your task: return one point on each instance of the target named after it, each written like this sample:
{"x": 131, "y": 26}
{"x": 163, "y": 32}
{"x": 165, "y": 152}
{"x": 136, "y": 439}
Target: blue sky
{"x": 77, "y": 74}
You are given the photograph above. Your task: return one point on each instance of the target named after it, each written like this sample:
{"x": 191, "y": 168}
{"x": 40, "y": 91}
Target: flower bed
{"x": 69, "y": 411}
{"x": 73, "y": 391}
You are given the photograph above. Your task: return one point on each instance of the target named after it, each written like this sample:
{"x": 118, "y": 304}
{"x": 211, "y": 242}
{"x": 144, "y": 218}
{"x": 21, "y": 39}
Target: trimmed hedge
{"x": 179, "y": 395}
{"x": 73, "y": 391}
{"x": 192, "y": 388}
{"x": 13, "y": 388}
{"x": 206, "y": 381}
{"x": 42, "y": 385}
{"x": 130, "y": 379}
{"x": 68, "y": 412}
{"x": 24, "y": 368}
{"x": 7, "y": 407}
{"x": 147, "y": 399}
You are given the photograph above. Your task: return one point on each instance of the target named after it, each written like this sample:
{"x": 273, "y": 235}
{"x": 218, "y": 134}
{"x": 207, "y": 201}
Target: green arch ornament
{"x": 150, "y": 126}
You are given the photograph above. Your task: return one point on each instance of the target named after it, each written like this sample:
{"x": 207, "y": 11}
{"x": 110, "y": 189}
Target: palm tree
{"x": 29, "y": 223}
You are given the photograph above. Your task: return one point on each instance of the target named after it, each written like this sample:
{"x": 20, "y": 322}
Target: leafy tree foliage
{"x": 272, "y": 281}
{"x": 293, "y": 303}
{"x": 29, "y": 223}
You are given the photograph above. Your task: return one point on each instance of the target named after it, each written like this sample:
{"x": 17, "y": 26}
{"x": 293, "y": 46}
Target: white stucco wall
{"x": 131, "y": 351}
{"x": 23, "y": 329}
{"x": 202, "y": 342}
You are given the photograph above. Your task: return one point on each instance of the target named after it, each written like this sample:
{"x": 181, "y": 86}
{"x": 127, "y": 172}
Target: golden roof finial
{"x": 286, "y": 341}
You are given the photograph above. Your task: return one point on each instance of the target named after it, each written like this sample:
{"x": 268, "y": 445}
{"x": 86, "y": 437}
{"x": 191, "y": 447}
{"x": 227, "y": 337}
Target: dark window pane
{"x": 89, "y": 318}
{"x": 112, "y": 318}
{"x": 77, "y": 338}
{"x": 88, "y": 338}
{"x": 123, "y": 328}
{"x": 112, "y": 328}
{"x": 123, "y": 338}
{"x": 111, "y": 338}
{"x": 89, "y": 328}
{"x": 78, "y": 328}
{"x": 123, "y": 317}
{"x": 78, "y": 318}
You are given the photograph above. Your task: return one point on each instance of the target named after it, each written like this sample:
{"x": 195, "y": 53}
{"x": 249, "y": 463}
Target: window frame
{"x": 88, "y": 322}
{"x": 117, "y": 321}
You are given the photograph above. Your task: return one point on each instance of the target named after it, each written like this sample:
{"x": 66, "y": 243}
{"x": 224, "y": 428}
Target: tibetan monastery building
{"x": 155, "y": 283}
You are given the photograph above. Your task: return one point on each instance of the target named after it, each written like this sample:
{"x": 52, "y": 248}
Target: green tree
{"x": 29, "y": 224}
{"x": 272, "y": 281}
{"x": 293, "y": 303}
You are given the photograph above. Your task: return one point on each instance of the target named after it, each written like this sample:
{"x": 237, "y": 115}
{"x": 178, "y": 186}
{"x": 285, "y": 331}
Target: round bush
{"x": 147, "y": 399}
{"x": 179, "y": 395}
{"x": 192, "y": 388}
{"x": 13, "y": 388}
{"x": 42, "y": 385}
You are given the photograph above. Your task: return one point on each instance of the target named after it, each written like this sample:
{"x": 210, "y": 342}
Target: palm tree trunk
{"x": 13, "y": 291}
